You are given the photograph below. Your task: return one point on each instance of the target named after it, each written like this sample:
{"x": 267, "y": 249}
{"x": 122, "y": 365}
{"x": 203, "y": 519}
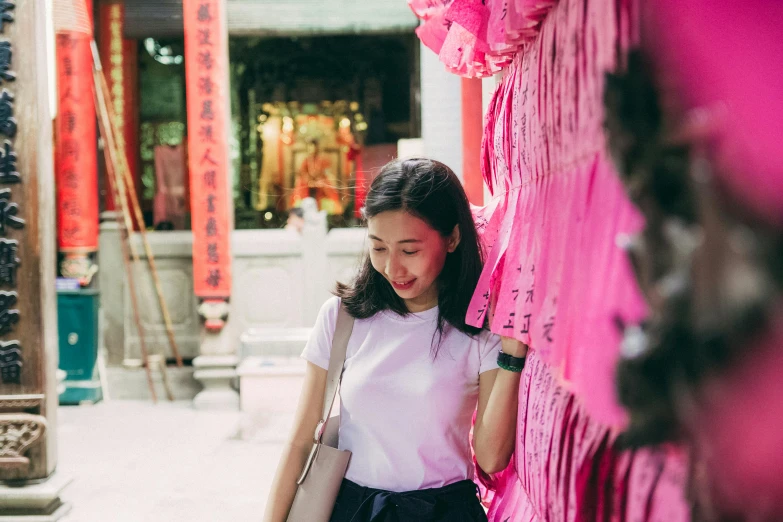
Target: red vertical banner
{"x": 206, "y": 69}
{"x": 76, "y": 160}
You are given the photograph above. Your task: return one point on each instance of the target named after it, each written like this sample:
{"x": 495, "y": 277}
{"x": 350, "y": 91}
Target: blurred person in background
{"x": 295, "y": 221}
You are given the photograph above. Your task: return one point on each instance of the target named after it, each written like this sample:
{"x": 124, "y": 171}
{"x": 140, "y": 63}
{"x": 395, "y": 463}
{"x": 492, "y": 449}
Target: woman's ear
{"x": 454, "y": 239}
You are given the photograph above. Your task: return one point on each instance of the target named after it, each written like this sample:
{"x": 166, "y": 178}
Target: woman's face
{"x": 410, "y": 255}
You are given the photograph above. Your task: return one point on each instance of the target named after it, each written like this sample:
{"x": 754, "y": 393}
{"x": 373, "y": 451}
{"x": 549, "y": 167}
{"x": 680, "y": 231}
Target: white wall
{"x": 441, "y": 112}
{"x": 280, "y": 280}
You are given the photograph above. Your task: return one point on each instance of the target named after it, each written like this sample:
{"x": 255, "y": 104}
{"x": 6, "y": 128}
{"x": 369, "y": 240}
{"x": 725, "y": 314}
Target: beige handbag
{"x": 324, "y": 470}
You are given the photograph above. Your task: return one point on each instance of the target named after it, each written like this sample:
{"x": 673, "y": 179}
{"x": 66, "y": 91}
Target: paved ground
{"x": 133, "y": 461}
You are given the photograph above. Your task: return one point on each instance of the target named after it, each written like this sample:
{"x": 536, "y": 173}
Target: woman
{"x": 414, "y": 372}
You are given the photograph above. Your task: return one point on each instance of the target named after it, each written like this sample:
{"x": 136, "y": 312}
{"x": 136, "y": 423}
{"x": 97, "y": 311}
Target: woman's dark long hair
{"x": 430, "y": 191}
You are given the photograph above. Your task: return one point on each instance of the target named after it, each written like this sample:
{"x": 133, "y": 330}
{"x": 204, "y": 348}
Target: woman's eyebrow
{"x": 376, "y": 238}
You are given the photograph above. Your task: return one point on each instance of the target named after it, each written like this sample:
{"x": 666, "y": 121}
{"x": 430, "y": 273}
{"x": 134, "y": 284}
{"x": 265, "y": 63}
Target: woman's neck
{"x": 426, "y": 301}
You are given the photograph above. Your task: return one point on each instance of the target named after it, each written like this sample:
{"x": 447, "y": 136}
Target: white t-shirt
{"x": 404, "y": 415}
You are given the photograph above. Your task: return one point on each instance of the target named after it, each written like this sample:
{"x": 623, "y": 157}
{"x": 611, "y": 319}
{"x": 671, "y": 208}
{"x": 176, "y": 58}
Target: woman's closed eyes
{"x": 406, "y": 252}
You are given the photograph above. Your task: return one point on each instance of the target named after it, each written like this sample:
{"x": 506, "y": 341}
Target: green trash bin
{"x": 77, "y": 322}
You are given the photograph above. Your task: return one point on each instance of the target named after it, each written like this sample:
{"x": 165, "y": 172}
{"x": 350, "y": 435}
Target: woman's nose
{"x": 393, "y": 267}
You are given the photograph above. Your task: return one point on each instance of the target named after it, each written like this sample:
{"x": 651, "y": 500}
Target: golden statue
{"x": 312, "y": 181}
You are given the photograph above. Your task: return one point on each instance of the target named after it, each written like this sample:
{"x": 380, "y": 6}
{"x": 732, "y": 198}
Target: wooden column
{"x": 28, "y": 314}
{"x": 472, "y": 130}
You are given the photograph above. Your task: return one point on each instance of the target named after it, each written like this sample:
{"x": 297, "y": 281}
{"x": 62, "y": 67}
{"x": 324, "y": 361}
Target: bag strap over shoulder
{"x": 342, "y": 334}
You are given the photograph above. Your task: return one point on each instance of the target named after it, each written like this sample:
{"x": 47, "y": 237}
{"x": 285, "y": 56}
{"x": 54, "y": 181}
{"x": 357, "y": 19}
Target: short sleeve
{"x": 319, "y": 346}
{"x": 490, "y": 348}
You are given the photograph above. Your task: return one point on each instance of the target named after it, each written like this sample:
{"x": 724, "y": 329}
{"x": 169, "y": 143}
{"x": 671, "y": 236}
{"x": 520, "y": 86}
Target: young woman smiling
{"x": 414, "y": 372}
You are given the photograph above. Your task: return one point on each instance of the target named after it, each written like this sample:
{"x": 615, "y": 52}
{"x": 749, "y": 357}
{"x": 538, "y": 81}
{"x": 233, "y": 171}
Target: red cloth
{"x": 739, "y": 431}
{"x": 170, "y": 202}
{"x": 477, "y": 38}
{"x": 555, "y": 276}
{"x": 554, "y": 272}
{"x": 567, "y": 467}
{"x": 724, "y": 59}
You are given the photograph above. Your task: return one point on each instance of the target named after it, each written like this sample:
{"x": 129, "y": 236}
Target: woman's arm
{"x": 292, "y": 461}
{"x": 494, "y": 434}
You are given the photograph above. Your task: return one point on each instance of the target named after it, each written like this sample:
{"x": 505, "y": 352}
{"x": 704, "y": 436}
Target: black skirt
{"x": 458, "y": 502}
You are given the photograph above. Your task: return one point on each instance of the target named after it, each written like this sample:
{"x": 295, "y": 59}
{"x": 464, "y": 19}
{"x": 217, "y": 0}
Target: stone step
{"x": 130, "y": 383}
{"x": 274, "y": 342}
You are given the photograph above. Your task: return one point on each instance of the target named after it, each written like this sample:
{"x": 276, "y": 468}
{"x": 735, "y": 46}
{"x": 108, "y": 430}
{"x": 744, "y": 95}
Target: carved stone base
{"x": 78, "y": 266}
{"x": 34, "y": 501}
{"x": 18, "y": 433}
{"x": 218, "y": 374}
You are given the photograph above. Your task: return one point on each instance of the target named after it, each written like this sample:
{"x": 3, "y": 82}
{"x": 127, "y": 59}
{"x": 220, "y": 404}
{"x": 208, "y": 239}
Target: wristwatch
{"x": 511, "y": 363}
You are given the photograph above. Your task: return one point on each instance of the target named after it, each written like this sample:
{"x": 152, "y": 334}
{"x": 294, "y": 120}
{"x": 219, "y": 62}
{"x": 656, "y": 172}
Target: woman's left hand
{"x": 513, "y": 347}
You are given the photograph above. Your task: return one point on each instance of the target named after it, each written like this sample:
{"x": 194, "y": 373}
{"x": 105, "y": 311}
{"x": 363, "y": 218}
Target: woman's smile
{"x": 403, "y": 285}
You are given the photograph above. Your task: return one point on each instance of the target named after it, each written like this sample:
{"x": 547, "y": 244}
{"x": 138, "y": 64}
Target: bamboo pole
{"x": 100, "y": 103}
{"x": 160, "y": 361}
{"x": 122, "y": 160}
{"x": 145, "y": 357}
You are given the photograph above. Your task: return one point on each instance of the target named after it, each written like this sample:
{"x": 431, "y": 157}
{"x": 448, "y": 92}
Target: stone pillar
{"x": 28, "y": 322}
{"x": 209, "y": 120}
{"x": 111, "y": 281}
{"x": 215, "y": 367}
{"x": 316, "y": 259}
